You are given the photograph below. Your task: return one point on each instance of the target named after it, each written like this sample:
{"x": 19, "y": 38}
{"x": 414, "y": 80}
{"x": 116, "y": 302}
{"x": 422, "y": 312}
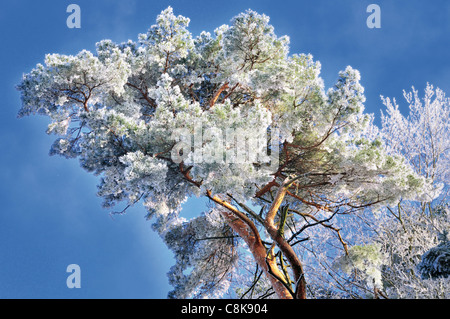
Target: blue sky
{"x": 50, "y": 215}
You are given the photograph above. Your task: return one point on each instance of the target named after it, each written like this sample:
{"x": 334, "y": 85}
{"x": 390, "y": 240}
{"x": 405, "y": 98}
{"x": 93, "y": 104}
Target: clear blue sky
{"x": 50, "y": 216}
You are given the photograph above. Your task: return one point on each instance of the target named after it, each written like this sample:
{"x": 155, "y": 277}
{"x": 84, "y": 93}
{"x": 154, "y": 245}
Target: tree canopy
{"x": 232, "y": 117}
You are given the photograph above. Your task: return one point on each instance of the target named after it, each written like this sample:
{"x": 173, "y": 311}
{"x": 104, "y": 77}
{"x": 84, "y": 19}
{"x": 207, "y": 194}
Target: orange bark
{"x": 216, "y": 96}
{"x": 281, "y": 242}
{"x": 245, "y": 228}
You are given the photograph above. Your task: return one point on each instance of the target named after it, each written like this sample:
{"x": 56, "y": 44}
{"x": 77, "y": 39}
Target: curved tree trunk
{"x": 246, "y": 229}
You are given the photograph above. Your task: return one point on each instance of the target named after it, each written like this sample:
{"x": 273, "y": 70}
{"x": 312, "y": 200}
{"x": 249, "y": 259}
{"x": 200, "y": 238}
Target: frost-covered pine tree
{"x": 229, "y": 116}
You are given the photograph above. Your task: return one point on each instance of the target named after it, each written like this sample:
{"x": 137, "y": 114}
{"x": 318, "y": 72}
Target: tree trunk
{"x": 260, "y": 254}
{"x": 246, "y": 229}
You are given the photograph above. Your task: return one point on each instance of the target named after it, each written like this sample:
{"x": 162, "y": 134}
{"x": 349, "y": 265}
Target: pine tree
{"x": 234, "y": 118}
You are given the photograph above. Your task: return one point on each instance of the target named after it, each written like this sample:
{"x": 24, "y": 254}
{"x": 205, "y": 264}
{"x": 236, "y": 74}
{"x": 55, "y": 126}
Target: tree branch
{"x": 284, "y": 246}
{"x": 217, "y": 94}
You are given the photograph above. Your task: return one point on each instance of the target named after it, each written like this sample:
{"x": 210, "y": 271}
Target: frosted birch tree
{"x": 414, "y": 233}
{"x": 402, "y": 250}
{"x": 171, "y": 116}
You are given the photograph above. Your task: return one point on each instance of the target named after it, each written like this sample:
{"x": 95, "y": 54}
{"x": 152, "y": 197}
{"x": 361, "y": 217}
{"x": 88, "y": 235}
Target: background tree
{"x": 121, "y": 109}
{"x": 401, "y": 250}
{"x": 411, "y": 230}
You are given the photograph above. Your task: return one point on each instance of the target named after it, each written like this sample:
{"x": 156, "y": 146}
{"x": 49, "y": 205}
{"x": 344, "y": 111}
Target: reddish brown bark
{"x": 246, "y": 229}
{"x": 216, "y": 96}
{"x": 281, "y": 242}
